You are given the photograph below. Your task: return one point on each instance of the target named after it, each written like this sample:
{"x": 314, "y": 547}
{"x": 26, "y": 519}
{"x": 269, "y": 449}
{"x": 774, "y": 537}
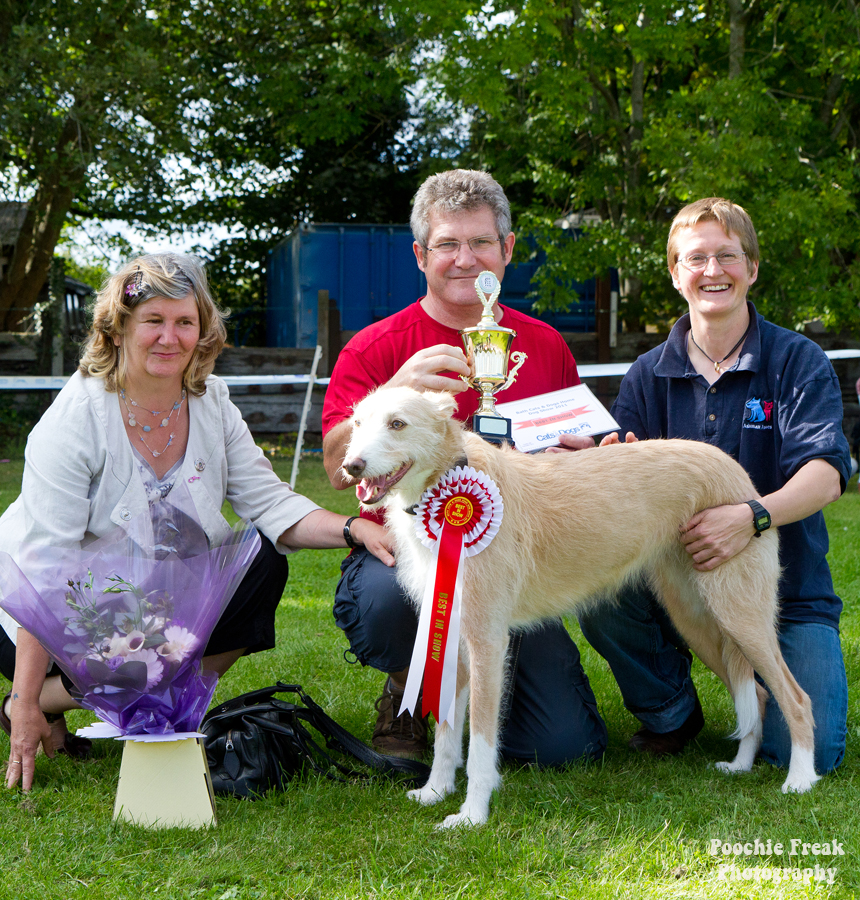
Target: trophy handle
{"x": 519, "y": 358}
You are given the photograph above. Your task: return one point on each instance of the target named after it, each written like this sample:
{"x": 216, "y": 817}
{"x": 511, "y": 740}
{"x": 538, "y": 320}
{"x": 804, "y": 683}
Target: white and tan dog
{"x": 576, "y": 527}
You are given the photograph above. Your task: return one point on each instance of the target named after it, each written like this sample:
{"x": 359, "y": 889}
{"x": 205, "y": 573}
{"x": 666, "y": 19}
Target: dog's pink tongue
{"x": 367, "y": 489}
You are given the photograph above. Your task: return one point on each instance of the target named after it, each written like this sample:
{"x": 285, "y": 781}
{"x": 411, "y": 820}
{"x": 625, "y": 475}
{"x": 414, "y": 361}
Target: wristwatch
{"x": 761, "y": 517}
{"x": 351, "y": 542}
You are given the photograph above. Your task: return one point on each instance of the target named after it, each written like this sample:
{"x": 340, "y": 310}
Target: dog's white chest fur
{"x": 414, "y": 560}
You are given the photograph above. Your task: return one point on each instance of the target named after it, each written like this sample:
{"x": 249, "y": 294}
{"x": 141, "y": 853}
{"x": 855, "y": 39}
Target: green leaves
{"x": 257, "y": 114}
{"x": 635, "y": 109}
{"x": 169, "y": 115}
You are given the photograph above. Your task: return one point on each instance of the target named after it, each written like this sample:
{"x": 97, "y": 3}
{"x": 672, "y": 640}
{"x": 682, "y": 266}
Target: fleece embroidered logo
{"x": 759, "y": 414}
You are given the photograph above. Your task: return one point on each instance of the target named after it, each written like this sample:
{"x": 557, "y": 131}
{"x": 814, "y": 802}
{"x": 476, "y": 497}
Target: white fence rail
{"x": 587, "y": 370}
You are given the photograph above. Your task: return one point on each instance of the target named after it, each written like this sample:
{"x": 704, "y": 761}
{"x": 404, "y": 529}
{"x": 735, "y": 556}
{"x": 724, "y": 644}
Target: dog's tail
{"x": 744, "y": 692}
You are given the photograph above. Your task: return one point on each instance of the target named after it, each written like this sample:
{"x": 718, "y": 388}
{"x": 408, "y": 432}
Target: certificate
{"x": 539, "y": 422}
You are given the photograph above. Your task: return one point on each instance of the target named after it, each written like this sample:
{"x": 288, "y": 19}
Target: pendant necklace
{"x": 718, "y": 363}
{"x": 132, "y": 418}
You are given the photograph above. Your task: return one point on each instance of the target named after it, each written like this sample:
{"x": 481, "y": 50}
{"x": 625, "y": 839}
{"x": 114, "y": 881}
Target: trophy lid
{"x": 488, "y": 288}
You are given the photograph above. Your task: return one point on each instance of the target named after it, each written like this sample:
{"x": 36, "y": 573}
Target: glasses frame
{"x": 709, "y": 256}
{"x": 447, "y": 251}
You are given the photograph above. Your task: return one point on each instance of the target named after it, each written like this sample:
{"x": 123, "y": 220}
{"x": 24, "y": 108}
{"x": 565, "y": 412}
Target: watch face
{"x": 762, "y": 522}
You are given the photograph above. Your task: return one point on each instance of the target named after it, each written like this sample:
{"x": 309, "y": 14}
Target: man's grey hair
{"x": 457, "y": 191}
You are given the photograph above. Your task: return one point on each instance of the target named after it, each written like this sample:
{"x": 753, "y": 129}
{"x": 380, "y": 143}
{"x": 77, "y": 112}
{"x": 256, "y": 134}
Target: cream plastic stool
{"x": 165, "y": 784}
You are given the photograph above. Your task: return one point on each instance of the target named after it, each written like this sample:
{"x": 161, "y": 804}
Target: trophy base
{"x": 495, "y": 429}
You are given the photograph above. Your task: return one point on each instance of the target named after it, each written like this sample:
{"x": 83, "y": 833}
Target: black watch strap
{"x": 761, "y": 517}
{"x": 347, "y": 535}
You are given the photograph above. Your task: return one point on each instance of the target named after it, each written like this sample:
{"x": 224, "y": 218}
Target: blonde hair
{"x": 169, "y": 275}
{"x": 734, "y": 219}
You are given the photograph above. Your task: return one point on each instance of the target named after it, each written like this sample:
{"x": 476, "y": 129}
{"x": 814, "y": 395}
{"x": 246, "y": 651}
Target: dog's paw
{"x": 460, "y": 820}
{"x": 732, "y": 768}
{"x": 801, "y": 771}
{"x": 799, "y": 785}
{"x": 472, "y": 812}
{"x": 428, "y": 795}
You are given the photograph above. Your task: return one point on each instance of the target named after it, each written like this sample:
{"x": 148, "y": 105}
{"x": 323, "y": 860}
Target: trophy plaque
{"x": 488, "y": 348}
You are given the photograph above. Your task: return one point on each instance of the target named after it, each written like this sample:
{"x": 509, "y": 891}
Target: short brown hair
{"x": 169, "y": 275}
{"x": 734, "y": 219}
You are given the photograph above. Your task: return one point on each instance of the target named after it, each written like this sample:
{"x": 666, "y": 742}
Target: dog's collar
{"x": 462, "y": 461}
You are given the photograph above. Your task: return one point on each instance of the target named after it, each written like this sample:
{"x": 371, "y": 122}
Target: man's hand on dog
{"x": 581, "y": 442}
{"x": 422, "y": 371}
{"x": 715, "y": 535}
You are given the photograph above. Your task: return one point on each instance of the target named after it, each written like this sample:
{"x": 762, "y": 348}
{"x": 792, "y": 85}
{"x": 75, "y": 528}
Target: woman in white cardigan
{"x": 142, "y": 413}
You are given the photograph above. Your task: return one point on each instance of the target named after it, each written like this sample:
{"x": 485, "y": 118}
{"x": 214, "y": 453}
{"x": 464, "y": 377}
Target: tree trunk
{"x": 738, "y": 19}
{"x": 31, "y": 259}
{"x": 637, "y": 119}
{"x": 631, "y": 299}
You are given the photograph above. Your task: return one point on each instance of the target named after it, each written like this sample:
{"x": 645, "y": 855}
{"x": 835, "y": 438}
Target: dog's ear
{"x": 442, "y": 401}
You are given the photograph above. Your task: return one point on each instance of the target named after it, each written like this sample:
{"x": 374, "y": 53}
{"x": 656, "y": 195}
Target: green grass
{"x": 626, "y": 827}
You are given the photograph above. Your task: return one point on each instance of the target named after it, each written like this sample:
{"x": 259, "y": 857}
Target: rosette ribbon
{"x": 146, "y": 677}
{"x": 456, "y": 518}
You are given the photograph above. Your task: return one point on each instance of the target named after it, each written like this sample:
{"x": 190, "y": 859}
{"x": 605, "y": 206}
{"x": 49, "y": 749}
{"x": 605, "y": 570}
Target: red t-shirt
{"x": 375, "y": 354}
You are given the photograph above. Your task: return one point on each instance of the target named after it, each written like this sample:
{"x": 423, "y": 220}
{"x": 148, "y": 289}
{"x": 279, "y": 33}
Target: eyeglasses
{"x": 477, "y": 245}
{"x": 699, "y": 261}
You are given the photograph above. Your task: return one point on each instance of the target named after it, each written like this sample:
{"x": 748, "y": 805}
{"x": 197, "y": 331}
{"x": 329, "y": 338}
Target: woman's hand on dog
{"x": 582, "y": 442}
{"x": 375, "y": 538}
{"x": 421, "y": 372}
{"x": 715, "y": 535}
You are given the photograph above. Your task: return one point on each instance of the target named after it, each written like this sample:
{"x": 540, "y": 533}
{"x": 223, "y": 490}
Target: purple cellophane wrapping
{"x": 164, "y": 554}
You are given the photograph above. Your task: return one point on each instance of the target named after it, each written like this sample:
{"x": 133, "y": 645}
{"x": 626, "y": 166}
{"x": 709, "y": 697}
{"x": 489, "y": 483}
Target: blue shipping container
{"x": 370, "y": 272}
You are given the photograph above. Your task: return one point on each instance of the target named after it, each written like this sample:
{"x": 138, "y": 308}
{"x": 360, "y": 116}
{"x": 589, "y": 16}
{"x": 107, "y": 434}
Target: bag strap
{"x": 338, "y": 737}
{"x": 259, "y": 697}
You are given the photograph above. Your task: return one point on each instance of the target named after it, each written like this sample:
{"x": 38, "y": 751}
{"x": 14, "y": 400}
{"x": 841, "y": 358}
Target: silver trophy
{"x": 488, "y": 348}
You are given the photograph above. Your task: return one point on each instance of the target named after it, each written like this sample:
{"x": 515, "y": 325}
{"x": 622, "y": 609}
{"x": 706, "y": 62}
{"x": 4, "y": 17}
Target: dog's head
{"x": 402, "y": 441}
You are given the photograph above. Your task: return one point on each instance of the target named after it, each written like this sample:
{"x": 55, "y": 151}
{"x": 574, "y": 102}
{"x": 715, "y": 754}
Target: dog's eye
{"x": 396, "y": 424}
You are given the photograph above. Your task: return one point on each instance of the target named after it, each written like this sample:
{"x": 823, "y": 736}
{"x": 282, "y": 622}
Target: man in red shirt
{"x": 461, "y": 223}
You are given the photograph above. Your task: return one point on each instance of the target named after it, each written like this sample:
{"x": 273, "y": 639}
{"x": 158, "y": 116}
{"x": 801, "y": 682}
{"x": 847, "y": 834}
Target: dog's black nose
{"x": 354, "y": 467}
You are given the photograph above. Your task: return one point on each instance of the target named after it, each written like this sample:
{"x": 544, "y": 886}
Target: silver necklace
{"x": 132, "y": 419}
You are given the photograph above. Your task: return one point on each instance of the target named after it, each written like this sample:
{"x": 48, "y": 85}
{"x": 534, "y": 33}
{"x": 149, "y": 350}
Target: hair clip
{"x": 135, "y": 287}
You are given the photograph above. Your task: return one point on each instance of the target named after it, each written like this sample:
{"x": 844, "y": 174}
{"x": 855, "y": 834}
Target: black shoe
{"x": 670, "y": 743}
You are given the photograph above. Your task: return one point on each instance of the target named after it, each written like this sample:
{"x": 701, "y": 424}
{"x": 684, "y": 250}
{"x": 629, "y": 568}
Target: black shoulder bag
{"x": 257, "y": 742}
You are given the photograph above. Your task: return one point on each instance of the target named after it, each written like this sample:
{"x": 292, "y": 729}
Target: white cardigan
{"x": 81, "y": 481}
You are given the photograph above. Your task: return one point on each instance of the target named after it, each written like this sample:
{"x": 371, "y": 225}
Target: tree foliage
{"x": 302, "y": 117}
{"x": 92, "y": 96}
{"x": 633, "y": 109}
{"x": 169, "y": 115}
{"x": 253, "y": 115}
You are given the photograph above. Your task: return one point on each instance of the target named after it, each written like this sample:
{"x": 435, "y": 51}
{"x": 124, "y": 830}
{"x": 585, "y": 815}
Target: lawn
{"x": 624, "y": 827}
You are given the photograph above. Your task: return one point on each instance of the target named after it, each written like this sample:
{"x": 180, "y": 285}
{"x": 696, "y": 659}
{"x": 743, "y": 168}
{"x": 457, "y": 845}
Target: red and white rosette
{"x": 456, "y": 518}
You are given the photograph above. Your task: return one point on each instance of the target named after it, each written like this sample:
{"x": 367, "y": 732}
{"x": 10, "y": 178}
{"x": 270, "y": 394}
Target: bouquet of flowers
{"x": 128, "y": 617}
